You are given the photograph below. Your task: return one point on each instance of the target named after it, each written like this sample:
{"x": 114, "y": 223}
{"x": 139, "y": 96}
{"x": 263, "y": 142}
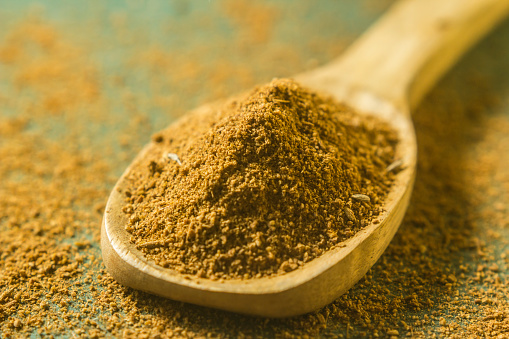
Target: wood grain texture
{"x": 385, "y": 74}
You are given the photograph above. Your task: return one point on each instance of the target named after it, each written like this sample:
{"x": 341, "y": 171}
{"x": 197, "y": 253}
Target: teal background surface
{"x": 127, "y": 69}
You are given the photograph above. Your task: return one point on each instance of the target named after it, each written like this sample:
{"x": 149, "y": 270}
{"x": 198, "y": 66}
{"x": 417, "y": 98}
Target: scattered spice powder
{"x": 261, "y": 185}
{"x": 444, "y": 274}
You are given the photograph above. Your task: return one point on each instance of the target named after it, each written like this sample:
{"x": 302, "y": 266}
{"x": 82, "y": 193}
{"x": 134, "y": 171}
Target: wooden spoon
{"x": 385, "y": 73}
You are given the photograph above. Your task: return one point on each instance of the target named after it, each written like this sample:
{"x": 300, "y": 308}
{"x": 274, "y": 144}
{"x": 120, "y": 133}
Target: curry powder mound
{"x": 260, "y": 185}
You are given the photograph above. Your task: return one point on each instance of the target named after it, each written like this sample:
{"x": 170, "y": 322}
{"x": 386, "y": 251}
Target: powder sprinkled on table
{"x": 259, "y": 186}
{"x": 444, "y": 274}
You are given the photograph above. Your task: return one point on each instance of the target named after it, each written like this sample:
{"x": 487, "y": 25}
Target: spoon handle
{"x": 402, "y": 56}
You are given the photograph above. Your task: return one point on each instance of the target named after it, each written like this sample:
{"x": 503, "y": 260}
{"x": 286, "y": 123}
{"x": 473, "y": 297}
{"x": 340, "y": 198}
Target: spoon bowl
{"x": 384, "y": 74}
{"x": 313, "y": 285}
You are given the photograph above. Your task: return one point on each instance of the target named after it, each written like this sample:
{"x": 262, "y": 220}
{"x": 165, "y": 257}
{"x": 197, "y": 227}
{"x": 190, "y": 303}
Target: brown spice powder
{"x": 444, "y": 275}
{"x": 260, "y": 186}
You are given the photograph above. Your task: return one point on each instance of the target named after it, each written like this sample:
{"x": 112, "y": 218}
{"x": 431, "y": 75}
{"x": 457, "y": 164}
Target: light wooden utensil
{"x": 385, "y": 73}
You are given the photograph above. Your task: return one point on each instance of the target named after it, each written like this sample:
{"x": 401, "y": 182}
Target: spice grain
{"x": 267, "y": 182}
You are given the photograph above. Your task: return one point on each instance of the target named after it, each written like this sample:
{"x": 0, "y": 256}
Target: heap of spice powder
{"x": 259, "y": 186}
